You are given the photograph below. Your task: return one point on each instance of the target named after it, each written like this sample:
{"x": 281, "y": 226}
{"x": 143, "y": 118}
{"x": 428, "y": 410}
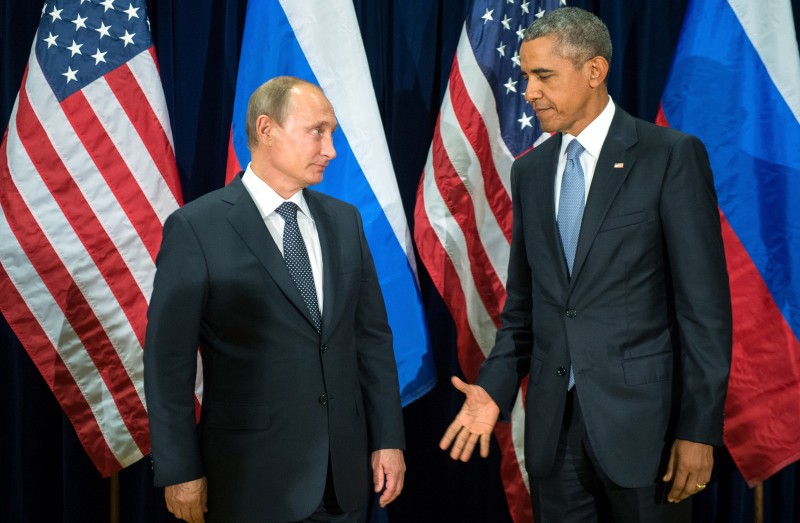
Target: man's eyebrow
{"x": 540, "y": 70}
{"x": 325, "y": 123}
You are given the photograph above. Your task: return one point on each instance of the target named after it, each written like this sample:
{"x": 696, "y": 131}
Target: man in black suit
{"x": 618, "y": 304}
{"x": 301, "y": 402}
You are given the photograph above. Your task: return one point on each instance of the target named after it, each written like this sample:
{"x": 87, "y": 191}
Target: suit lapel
{"x": 246, "y": 220}
{"x": 547, "y": 208}
{"x": 608, "y": 178}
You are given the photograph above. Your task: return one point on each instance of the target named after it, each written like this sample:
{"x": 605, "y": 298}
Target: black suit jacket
{"x": 645, "y": 319}
{"x": 278, "y": 398}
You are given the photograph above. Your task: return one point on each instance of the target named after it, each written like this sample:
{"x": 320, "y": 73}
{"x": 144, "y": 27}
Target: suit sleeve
{"x": 170, "y": 354}
{"x": 692, "y": 233}
{"x": 500, "y": 375}
{"x": 376, "y": 363}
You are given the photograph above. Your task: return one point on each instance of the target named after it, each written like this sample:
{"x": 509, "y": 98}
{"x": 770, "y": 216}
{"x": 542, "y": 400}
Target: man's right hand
{"x": 187, "y": 501}
{"x": 474, "y": 422}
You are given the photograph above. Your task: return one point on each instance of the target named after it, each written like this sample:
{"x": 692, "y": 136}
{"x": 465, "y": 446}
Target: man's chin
{"x": 547, "y": 126}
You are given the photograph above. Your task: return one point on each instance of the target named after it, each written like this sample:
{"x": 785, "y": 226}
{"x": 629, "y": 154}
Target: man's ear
{"x": 265, "y": 128}
{"x": 598, "y": 71}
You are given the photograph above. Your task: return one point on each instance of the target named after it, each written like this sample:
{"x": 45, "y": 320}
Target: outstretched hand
{"x": 474, "y": 422}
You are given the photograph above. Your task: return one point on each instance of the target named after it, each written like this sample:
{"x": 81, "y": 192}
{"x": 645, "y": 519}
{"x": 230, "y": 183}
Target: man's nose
{"x": 328, "y": 150}
{"x": 532, "y": 91}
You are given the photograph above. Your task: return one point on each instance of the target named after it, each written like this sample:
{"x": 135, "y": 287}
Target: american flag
{"x": 88, "y": 176}
{"x": 463, "y": 210}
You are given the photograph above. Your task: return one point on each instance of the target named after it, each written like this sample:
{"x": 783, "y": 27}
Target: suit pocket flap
{"x": 615, "y": 222}
{"x": 648, "y": 369}
{"x": 236, "y": 416}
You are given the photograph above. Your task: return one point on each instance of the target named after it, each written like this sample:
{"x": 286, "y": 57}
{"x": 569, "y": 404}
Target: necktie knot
{"x": 574, "y": 150}
{"x": 287, "y": 210}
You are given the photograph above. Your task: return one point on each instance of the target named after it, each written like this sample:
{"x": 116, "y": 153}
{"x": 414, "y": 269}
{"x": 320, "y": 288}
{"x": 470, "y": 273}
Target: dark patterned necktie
{"x": 296, "y": 257}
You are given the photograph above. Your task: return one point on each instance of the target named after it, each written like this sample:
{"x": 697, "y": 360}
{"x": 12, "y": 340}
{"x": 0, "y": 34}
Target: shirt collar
{"x": 594, "y": 135}
{"x": 267, "y": 200}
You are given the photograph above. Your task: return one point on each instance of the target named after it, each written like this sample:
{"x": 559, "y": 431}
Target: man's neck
{"x": 269, "y": 175}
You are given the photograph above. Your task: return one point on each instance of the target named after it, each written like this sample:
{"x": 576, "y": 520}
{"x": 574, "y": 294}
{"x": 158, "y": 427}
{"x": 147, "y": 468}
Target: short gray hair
{"x": 272, "y": 99}
{"x": 579, "y": 35}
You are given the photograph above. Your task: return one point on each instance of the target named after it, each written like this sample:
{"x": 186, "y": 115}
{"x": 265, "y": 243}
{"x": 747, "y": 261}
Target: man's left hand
{"x": 689, "y": 469}
{"x": 388, "y": 472}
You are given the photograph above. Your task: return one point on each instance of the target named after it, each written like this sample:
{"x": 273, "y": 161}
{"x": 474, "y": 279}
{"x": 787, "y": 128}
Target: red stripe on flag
{"x": 459, "y": 203}
{"x": 115, "y": 172}
{"x": 55, "y": 373}
{"x": 517, "y": 496}
{"x": 446, "y": 280}
{"x": 661, "y": 118}
{"x": 136, "y": 105}
{"x": 84, "y": 222}
{"x": 760, "y": 413}
{"x": 232, "y": 168}
{"x": 471, "y": 122}
{"x": 75, "y": 308}
{"x": 763, "y": 403}
{"x": 154, "y": 57}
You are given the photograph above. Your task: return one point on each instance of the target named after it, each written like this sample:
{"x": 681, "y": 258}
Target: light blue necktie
{"x": 570, "y": 211}
{"x": 296, "y": 257}
{"x": 570, "y": 202}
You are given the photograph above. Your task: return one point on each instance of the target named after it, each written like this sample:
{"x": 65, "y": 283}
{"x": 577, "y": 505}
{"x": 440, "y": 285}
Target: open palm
{"x": 474, "y": 422}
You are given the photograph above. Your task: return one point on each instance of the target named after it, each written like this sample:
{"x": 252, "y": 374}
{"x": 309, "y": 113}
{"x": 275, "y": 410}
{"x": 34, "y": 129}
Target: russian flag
{"x": 321, "y": 43}
{"x": 735, "y": 83}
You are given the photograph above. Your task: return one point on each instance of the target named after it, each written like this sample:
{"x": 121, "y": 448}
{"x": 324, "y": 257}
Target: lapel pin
{"x": 619, "y": 165}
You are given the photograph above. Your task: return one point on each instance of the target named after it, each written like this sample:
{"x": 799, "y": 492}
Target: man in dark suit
{"x": 276, "y": 285}
{"x": 618, "y": 305}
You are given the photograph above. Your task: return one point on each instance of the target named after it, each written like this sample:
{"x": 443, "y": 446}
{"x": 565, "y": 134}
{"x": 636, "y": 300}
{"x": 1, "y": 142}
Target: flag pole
{"x": 758, "y": 503}
{"x": 114, "y": 498}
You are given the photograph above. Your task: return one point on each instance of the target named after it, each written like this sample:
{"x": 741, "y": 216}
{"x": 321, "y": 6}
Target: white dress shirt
{"x": 267, "y": 200}
{"x": 591, "y": 139}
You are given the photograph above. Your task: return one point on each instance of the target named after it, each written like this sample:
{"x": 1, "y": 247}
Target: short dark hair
{"x": 579, "y": 35}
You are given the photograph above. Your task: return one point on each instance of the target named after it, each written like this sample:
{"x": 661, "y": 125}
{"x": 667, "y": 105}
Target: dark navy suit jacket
{"x": 278, "y": 398}
{"x": 645, "y": 319}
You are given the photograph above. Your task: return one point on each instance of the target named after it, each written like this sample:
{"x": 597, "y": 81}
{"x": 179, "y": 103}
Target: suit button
{"x": 561, "y": 371}
{"x": 572, "y": 313}
{"x": 323, "y": 348}
{"x": 323, "y": 399}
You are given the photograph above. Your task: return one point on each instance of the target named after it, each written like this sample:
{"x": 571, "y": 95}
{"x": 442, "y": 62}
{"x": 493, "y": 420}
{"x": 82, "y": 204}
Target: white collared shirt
{"x": 267, "y": 200}
{"x": 592, "y": 139}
